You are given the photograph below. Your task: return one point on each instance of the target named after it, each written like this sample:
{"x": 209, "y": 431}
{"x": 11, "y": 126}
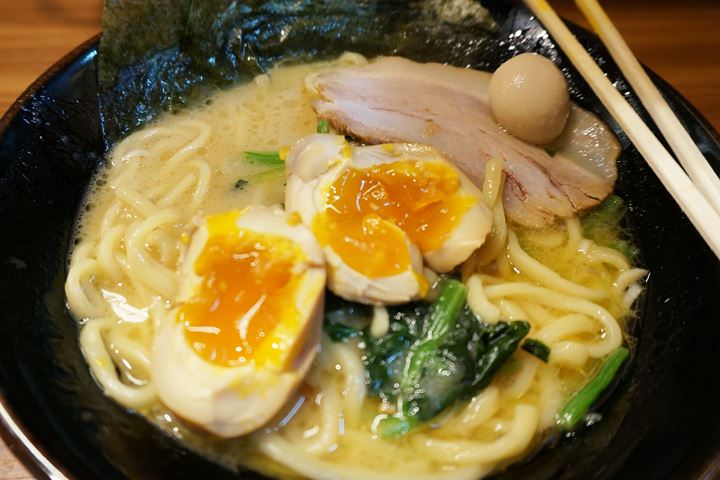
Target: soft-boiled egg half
{"x": 381, "y": 212}
{"x": 248, "y": 322}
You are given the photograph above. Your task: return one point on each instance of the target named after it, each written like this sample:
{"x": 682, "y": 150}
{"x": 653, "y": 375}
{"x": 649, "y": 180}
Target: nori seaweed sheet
{"x": 163, "y": 55}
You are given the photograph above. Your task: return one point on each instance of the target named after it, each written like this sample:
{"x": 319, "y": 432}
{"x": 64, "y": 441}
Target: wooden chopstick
{"x": 685, "y": 149}
{"x": 702, "y": 215}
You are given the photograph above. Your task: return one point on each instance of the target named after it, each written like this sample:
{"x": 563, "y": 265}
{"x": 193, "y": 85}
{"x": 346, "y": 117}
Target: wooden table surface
{"x": 678, "y": 40}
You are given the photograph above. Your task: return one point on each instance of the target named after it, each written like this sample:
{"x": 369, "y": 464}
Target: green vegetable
{"x": 263, "y": 158}
{"x": 502, "y": 340}
{"x": 339, "y": 332}
{"x": 625, "y": 247}
{"x": 537, "y": 348}
{"x": 395, "y": 426}
{"x": 323, "y": 127}
{"x": 447, "y": 307}
{"x": 609, "y": 213}
{"x": 603, "y": 226}
{"x": 385, "y": 356}
{"x": 431, "y": 356}
{"x": 434, "y": 355}
{"x": 345, "y": 320}
{"x": 275, "y": 173}
{"x": 583, "y": 399}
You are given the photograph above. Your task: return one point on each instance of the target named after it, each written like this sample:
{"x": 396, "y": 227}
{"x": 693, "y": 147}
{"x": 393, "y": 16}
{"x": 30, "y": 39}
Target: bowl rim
{"x": 18, "y": 439}
{"x": 31, "y": 452}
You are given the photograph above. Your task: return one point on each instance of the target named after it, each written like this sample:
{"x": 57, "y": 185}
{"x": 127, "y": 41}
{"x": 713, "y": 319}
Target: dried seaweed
{"x": 162, "y": 55}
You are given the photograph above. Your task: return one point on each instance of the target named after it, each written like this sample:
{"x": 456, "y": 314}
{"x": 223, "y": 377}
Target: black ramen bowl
{"x": 660, "y": 420}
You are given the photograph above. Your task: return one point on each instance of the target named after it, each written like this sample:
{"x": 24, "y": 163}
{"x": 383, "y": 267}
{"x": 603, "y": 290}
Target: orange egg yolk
{"x": 367, "y": 211}
{"x": 247, "y": 292}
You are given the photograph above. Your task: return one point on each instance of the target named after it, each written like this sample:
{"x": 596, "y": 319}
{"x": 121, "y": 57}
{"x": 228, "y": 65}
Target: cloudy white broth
{"x": 422, "y": 333}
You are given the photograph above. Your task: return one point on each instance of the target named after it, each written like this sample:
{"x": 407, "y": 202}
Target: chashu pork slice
{"x": 393, "y": 99}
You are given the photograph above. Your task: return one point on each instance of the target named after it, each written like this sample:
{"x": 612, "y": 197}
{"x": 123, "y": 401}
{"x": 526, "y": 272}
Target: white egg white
{"x": 352, "y": 285}
{"x": 232, "y": 401}
{"x": 316, "y": 161}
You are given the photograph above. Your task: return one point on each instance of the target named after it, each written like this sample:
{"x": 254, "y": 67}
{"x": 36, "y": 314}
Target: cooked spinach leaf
{"x": 577, "y": 407}
{"x": 603, "y": 225}
{"x": 537, "y": 348}
{"x": 343, "y": 319}
{"x": 433, "y": 355}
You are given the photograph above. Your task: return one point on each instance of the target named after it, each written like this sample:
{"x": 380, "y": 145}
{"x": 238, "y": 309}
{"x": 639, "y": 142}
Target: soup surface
{"x": 124, "y": 274}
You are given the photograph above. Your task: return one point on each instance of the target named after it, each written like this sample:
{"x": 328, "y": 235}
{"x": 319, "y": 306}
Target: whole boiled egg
{"x": 381, "y": 212}
{"x": 247, "y": 324}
